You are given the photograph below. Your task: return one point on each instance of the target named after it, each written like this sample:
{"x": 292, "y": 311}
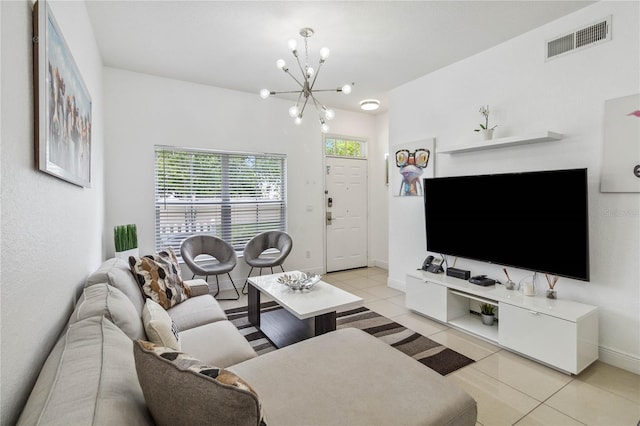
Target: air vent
{"x": 590, "y": 35}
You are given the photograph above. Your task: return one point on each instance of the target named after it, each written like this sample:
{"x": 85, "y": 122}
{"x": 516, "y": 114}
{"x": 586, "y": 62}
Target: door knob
{"x": 329, "y": 217}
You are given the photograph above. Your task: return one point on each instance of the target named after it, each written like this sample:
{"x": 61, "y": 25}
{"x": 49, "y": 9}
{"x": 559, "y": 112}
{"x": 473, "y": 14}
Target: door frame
{"x": 365, "y": 143}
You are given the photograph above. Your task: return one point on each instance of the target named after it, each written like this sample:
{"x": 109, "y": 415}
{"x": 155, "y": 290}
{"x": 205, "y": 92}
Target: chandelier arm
{"x": 316, "y": 75}
{"x": 304, "y": 74}
{"x": 328, "y": 90}
{"x": 303, "y": 107}
{"x": 295, "y": 79}
{"x": 318, "y": 108}
{"x": 288, "y": 91}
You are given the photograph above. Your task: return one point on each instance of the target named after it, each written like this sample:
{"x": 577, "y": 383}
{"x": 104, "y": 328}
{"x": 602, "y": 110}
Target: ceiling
{"x": 378, "y": 45}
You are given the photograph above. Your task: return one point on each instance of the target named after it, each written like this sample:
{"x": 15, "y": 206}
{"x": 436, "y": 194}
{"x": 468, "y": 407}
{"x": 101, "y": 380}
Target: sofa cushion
{"x": 88, "y": 378}
{"x": 105, "y": 300}
{"x": 217, "y": 343}
{"x": 159, "y": 279}
{"x": 363, "y": 381}
{"x": 181, "y": 390}
{"x": 116, "y": 273}
{"x": 159, "y": 326}
{"x": 196, "y": 311}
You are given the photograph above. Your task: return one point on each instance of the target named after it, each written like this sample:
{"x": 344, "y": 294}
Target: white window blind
{"x": 233, "y": 196}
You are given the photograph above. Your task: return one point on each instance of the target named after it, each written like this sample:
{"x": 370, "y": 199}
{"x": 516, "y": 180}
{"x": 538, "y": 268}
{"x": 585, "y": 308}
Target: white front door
{"x": 346, "y": 213}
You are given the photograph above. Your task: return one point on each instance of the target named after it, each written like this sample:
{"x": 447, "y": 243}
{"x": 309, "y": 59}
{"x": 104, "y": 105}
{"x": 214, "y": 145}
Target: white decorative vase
{"x": 124, "y": 255}
{"x": 487, "y": 319}
{"x": 487, "y": 134}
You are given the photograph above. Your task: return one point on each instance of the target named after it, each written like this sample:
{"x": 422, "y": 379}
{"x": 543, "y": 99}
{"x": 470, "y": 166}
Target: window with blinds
{"x": 233, "y": 196}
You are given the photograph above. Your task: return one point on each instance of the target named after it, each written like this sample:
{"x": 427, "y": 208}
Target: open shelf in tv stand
{"x": 560, "y": 333}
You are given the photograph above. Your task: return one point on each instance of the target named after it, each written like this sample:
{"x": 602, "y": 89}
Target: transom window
{"x": 233, "y": 196}
{"x": 342, "y": 147}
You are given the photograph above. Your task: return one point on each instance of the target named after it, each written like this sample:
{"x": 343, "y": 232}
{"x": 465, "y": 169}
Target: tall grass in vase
{"x": 125, "y": 238}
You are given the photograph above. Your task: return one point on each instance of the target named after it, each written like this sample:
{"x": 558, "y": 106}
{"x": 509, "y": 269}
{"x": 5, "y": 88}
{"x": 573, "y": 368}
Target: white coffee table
{"x": 306, "y": 313}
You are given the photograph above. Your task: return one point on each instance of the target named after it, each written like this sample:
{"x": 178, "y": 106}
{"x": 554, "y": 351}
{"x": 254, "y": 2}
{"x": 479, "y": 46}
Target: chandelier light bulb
{"x": 293, "y": 111}
{"x": 298, "y": 120}
{"x": 324, "y": 128}
{"x": 280, "y": 63}
{"x": 265, "y": 93}
{"x": 309, "y": 71}
{"x": 329, "y": 114}
{"x": 324, "y": 53}
{"x": 292, "y": 44}
{"x": 346, "y": 89}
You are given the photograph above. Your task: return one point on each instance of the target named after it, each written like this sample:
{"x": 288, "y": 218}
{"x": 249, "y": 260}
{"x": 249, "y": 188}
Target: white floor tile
{"x": 421, "y": 325}
{"x": 615, "y": 380}
{"x": 544, "y": 415}
{"x": 498, "y": 403}
{"x": 467, "y": 345}
{"x": 529, "y": 377}
{"x": 386, "y": 308}
{"x": 384, "y": 292}
{"x": 594, "y": 406}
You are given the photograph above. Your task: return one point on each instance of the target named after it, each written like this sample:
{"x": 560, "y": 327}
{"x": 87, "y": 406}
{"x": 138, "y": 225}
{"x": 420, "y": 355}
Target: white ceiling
{"x": 378, "y": 45}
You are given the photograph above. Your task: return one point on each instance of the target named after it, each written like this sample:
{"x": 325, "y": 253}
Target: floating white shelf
{"x": 502, "y": 142}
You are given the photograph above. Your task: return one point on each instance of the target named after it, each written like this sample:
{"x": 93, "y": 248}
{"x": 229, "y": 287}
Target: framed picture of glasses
{"x": 63, "y": 104}
{"x": 409, "y": 163}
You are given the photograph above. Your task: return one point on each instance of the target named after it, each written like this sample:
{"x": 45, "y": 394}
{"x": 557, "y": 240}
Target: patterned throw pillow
{"x": 159, "y": 326}
{"x": 181, "y": 390}
{"x": 159, "y": 277}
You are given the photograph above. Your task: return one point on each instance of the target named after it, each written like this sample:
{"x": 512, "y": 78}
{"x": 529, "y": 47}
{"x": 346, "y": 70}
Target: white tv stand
{"x": 560, "y": 333}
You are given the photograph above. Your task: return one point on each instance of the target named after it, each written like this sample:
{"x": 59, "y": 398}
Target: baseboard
{"x": 381, "y": 264}
{"x": 398, "y": 285}
{"x": 618, "y": 359}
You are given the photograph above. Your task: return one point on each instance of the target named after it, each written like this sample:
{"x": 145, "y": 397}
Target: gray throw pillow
{"x": 181, "y": 390}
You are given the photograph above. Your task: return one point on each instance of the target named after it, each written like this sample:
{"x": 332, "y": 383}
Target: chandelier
{"x": 307, "y": 92}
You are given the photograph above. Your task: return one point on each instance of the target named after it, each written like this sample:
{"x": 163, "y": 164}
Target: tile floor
{"x": 509, "y": 389}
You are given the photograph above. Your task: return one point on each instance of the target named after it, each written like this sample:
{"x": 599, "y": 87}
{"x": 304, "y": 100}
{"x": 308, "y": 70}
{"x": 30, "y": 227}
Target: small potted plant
{"x": 125, "y": 238}
{"x": 487, "y": 313}
{"x": 487, "y": 131}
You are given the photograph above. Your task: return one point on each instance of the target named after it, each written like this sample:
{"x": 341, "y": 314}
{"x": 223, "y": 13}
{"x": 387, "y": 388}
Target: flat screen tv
{"x": 538, "y": 221}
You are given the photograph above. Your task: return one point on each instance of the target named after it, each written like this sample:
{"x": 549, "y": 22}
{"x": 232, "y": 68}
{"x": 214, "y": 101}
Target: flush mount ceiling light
{"x": 307, "y": 91}
{"x": 370, "y": 104}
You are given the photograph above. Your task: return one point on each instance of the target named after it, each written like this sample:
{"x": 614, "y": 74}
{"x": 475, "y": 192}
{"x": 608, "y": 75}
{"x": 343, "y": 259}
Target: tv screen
{"x": 537, "y": 221}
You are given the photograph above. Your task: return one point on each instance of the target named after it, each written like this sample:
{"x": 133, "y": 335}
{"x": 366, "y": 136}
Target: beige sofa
{"x": 342, "y": 377}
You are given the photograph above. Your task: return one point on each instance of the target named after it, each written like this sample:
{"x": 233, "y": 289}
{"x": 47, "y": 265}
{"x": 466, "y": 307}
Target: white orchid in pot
{"x": 487, "y": 131}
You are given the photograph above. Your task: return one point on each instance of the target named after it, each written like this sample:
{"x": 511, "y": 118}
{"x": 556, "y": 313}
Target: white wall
{"x": 51, "y": 230}
{"x": 143, "y": 111}
{"x": 526, "y": 94}
{"x": 379, "y": 243}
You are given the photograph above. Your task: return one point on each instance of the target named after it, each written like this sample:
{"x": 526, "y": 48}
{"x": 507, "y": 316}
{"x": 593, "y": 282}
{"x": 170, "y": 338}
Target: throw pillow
{"x": 181, "y": 390}
{"x": 158, "y": 276}
{"x": 159, "y": 326}
{"x": 103, "y": 299}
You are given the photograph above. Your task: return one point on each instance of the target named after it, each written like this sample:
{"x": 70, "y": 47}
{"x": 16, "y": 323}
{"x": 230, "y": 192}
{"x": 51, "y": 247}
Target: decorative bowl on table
{"x": 299, "y": 280}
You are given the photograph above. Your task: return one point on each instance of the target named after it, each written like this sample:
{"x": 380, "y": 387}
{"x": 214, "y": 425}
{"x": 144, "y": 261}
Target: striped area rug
{"x": 432, "y": 354}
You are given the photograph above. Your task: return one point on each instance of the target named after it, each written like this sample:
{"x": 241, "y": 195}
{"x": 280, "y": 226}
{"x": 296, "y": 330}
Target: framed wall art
{"x": 62, "y": 104}
{"x": 410, "y": 163}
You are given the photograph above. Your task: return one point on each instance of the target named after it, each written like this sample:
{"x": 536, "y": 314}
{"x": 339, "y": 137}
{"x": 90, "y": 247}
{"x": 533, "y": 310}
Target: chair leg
{"x": 246, "y": 282}
{"x": 234, "y": 287}
{"x": 217, "y": 286}
{"x": 281, "y": 268}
